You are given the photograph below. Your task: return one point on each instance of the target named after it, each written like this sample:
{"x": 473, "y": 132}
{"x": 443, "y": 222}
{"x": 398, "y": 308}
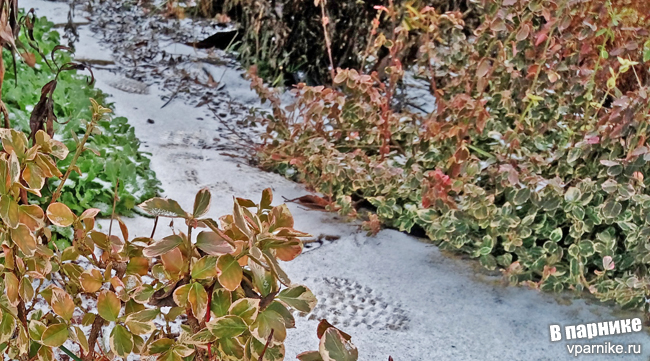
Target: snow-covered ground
{"x": 395, "y": 294}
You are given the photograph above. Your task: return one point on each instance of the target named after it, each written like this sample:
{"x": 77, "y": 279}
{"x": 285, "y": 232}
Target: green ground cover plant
{"x": 534, "y": 160}
{"x": 113, "y": 149}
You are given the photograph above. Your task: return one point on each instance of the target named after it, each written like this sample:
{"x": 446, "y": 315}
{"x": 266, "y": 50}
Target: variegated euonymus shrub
{"x": 533, "y": 157}
{"x": 223, "y": 296}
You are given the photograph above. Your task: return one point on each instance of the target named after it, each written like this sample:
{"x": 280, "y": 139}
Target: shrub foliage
{"x": 220, "y": 295}
{"x": 533, "y": 159}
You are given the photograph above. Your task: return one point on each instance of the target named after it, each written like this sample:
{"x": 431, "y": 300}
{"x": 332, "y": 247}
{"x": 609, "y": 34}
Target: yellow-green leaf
{"x": 7, "y": 327}
{"x": 55, "y": 335}
{"x": 298, "y": 297}
{"x": 205, "y": 268}
{"x": 108, "y": 305}
{"x": 25, "y": 289}
{"x": 159, "y": 346}
{"x": 198, "y": 299}
{"x": 267, "y": 321}
{"x": 333, "y": 347}
{"x": 81, "y": 338}
{"x": 121, "y": 341}
{"x": 227, "y": 326}
{"x": 221, "y": 301}
{"x": 276, "y": 269}
{"x": 181, "y": 295}
{"x": 9, "y": 211}
{"x": 36, "y": 329}
{"x": 246, "y": 308}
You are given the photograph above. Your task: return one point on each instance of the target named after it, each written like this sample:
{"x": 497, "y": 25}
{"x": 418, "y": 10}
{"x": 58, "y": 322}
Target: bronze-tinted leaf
{"x": 163, "y": 207}
{"x": 62, "y": 303}
{"x": 91, "y": 280}
{"x": 24, "y": 239}
{"x": 213, "y": 244}
{"x": 60, "y": 214}
{"x": 283, "y": 217}
{"x": 202, "y": 203}
{"x": 11, "y": 288}
{"x": 138, "y": 265}
{"x": 31, "y": 216}
{"x": 163, "y": 246}
{"x": 229, "y": 272}
{"x": 173, "y": 261}
{"x": 267, "y": 199}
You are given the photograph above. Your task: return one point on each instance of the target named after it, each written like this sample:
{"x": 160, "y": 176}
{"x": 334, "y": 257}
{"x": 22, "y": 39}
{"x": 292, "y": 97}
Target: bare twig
{"x": 328, "y": 43}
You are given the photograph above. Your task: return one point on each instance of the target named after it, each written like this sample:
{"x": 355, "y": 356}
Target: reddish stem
{"x": 207, "y": 319}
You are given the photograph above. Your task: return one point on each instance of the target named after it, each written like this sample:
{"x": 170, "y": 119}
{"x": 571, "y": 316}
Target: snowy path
{"x": 393, "y": 293}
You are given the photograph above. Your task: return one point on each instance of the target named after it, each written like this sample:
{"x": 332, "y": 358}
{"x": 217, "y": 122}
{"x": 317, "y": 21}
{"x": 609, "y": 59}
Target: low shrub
{"x": 223, "y": 297}
{"x": 533, "y": 159}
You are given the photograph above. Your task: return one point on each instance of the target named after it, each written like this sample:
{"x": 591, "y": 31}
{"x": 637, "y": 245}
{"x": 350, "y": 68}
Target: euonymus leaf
{"x": 229, "y": 272}
{"x": 246, "y": 309}
{"x": 205, "y": 268}
{"x": 333, "y": 347}
{"x": 163, "y": 246}
{"x": 60, "y": 214}
{"x": 62, "y": 303}
{"x": 55, "y": 335}
{"x": 121, "y": 341}
{"x": 298, "y": 297}
{"x": 198, "y": 299}
{"x": 163, "y": 207}
{"x": 227, "y": 326}
{"x": 108, "y": 305}
{"x": 213, "y": 244}
{"x": 221, "y": 301}
{"x": 201, "y": 203}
